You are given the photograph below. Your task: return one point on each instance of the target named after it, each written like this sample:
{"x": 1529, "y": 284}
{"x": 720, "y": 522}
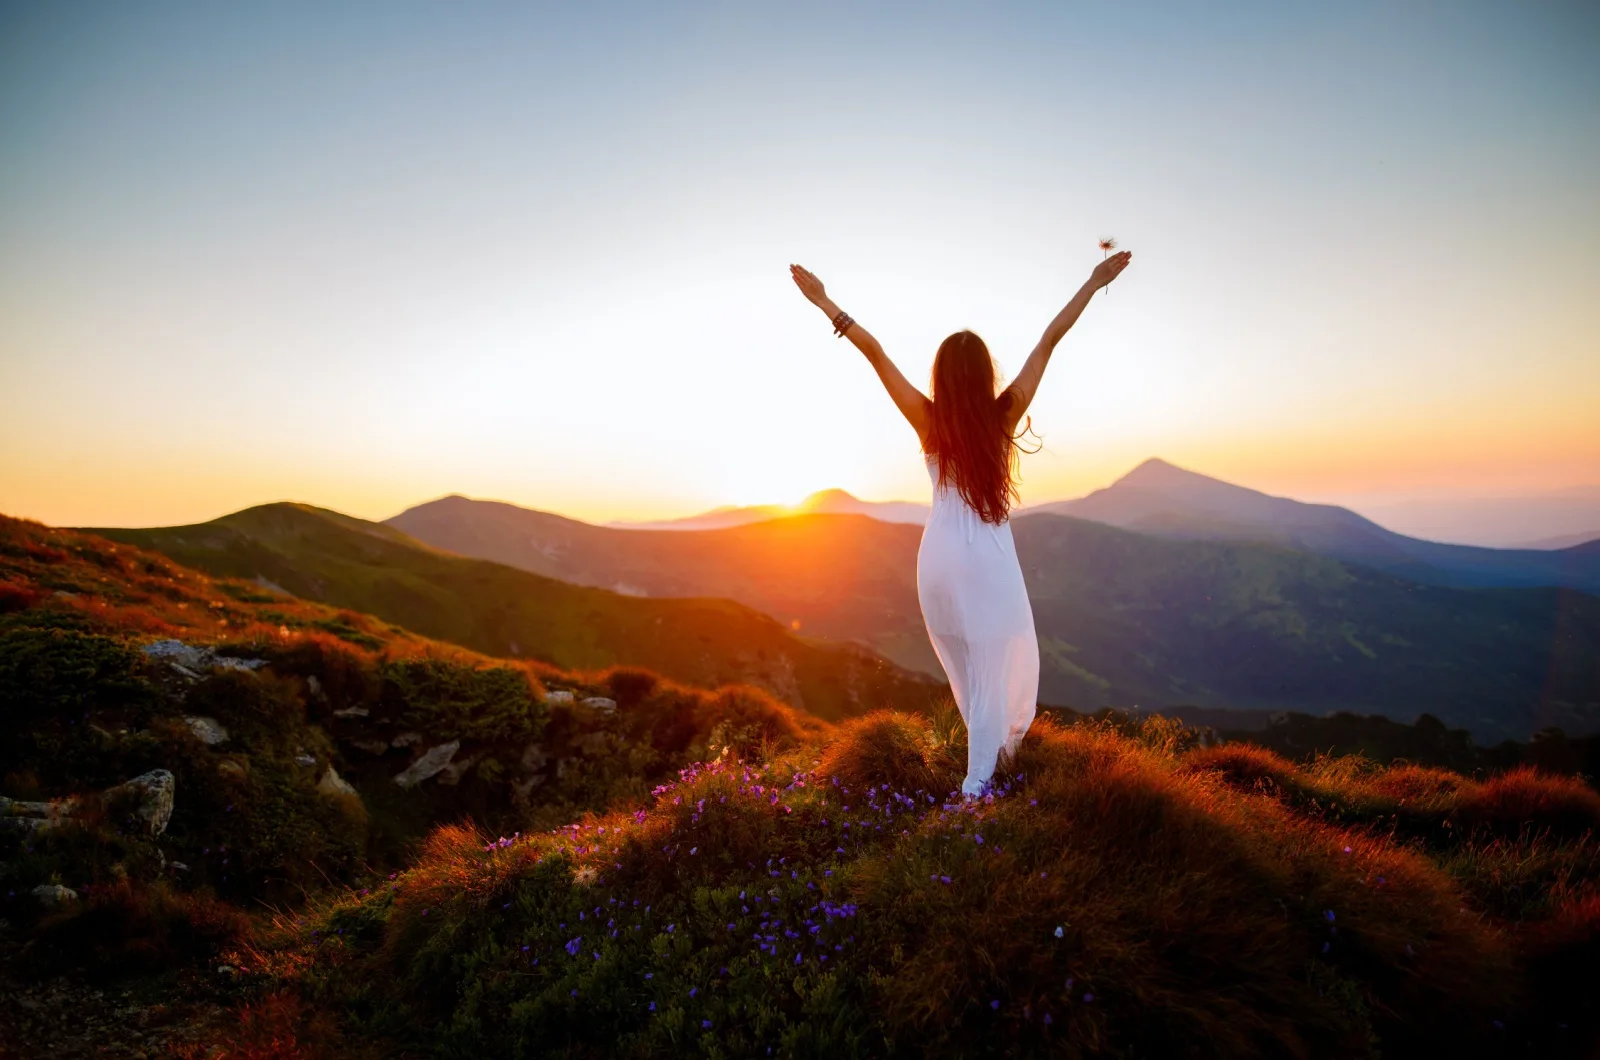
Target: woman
{"x": 969, "y": 582}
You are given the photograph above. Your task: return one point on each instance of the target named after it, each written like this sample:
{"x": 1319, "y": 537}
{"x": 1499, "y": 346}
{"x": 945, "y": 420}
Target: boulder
{"x": 209, "y": 730}
{"x": 352, "y": 712}
{"x": 52, "y": 895}
{"x": 559, "y": 695}
{"x": 151, "y": 794}
{"x": 601, "y": 703}
{"x": 450, "y": 775}
{"x": 304, "y": 760}
{"x": 433, "y": 761}
{"x": 333, "y": 784}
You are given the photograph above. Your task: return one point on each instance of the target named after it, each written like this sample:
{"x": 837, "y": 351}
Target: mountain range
{"x": 332, "y": 558}
{"x": 1160, "y": 499}
{"x": 1218, "y": 598}
{"x": 823, "y": 502}
{"x": 1123, "y": 617}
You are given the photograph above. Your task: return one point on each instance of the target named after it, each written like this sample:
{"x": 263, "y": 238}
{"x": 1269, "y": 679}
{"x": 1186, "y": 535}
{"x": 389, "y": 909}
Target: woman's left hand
{"x": 809, "y": 285}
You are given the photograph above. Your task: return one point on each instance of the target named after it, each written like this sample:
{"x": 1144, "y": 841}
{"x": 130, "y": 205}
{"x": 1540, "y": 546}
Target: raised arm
{"x": 1026, "y": 384}
{"x": 913, "y": 404}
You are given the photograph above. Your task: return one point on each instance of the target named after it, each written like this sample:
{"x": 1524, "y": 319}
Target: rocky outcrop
{"x": 194, "y": 663}
{"x": 333, "y": 784}
{"x": 146, "y": 801}
{"x": 149, "y": 797}
{"x": 431, "y": 763}
{"x": 451, "y": 774}
{"x": 19, "y": 816}
{"x": 209, "y": 730}
{"x": 52, "y": 895}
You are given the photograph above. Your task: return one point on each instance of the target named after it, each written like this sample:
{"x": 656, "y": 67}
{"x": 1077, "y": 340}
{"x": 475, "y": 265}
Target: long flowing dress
{"x": 978, "y": 616}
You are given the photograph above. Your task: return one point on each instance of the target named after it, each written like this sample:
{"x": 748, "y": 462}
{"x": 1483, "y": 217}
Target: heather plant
{"x": 451, "y": 700}
{"x": 1104, "y": 896}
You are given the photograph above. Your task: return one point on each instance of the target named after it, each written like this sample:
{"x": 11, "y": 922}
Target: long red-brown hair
{"x": 967, "y": 428}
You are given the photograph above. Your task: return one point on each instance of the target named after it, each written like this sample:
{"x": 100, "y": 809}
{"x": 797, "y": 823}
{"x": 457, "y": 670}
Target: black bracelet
{"x": 841, "y": 323}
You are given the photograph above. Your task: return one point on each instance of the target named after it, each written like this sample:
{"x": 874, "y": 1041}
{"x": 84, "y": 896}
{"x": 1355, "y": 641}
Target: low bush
{"x": 451, "y": 700}
{"x": 126, "y": 928}
{"x": 1103, "y": 898}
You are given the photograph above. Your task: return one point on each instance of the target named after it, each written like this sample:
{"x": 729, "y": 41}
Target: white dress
{"x": 978, "y": 616}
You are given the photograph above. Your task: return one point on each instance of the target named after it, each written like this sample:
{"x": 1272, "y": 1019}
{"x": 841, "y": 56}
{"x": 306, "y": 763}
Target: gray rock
{"x": 314, "y": 686}
{"x": 558, "y": 695}
{"x": 406, "y": 739}
{"x": 450, "y": 775}
{"x": 267, "y": 583}
{"x": 52, "y": 811}
{"x": 51, "y": 895}
{"x": 192, "y": 662}
{"x": 333, "y": 784}
{"x": 154, "y": 792}
{"x": 352, "y": 712}
{"x": 150, "y": 795}
{"x": 601, "y": 703}
{"x": 430, "y": 764}
{"x": 534, "y": 756}
{"x": 34, "y": 817}
{"x": 209, "y": 730}
{"x": 305, "y": 760}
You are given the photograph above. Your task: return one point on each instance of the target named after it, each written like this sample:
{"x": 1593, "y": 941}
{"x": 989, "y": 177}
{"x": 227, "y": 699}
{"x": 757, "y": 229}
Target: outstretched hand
{"x": 809, "y": 285}
{"x": 1110, "y": 268}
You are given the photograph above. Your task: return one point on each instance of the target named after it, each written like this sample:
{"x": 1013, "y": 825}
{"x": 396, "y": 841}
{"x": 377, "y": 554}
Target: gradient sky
{"x": 363, "y": 255}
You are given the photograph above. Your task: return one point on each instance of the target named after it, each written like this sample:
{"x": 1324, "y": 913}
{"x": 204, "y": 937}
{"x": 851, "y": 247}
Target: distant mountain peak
{"x": 1156, "y": 472}
{"x": 823, "y": 499}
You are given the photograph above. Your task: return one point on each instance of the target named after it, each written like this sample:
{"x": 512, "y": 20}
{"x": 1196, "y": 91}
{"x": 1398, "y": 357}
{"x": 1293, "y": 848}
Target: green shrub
{"x": 52, "y": 681}
{"x": 261, "y": 710}
{"x": 125, "y": 928}
{"x": 449, "y": 700}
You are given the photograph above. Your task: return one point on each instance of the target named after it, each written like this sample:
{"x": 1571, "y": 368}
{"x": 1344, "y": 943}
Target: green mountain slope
{"x": 843, "y": 576}
{"x": 498, "y": 610}
{"x": 1123, "y": 618}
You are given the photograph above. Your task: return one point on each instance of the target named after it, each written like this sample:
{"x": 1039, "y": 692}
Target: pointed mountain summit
{"x": 1162, "y": 499}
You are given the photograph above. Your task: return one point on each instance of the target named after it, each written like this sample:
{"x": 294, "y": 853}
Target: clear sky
{"x": 363, "y": 255}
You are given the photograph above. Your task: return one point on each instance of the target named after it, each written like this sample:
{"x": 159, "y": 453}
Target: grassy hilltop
{"x": 712, "y": 872}
{"x": 501, "y": 611}
{"x": 1118, "y": 895}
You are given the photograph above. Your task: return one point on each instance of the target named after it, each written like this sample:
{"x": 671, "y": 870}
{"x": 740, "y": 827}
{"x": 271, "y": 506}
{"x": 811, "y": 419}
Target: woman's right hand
{"x": 809, "y": 285}
{"x": 1109, "y": 269}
